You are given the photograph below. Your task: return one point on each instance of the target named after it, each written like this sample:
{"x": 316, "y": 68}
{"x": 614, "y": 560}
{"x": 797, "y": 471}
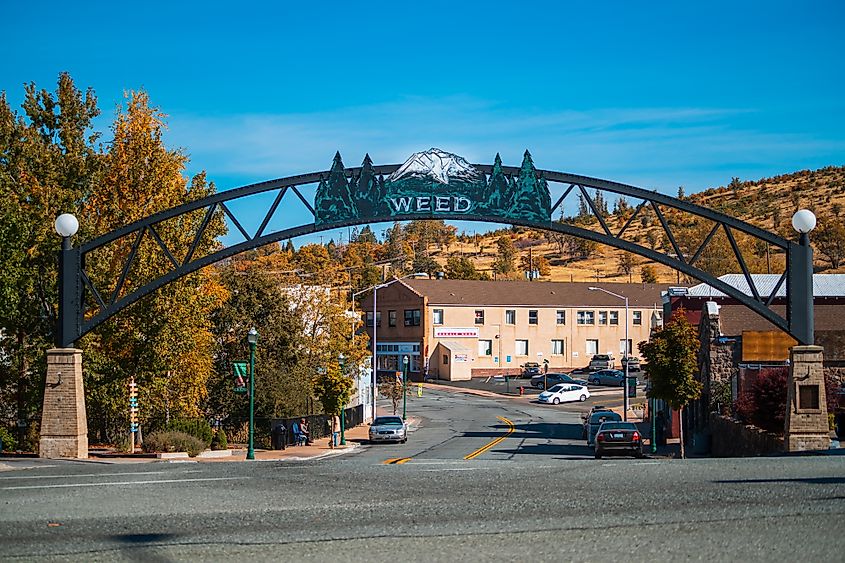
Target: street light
{"x": 800, "y": 278}
{"x": 405, "y": 360}
{"x": 66, "y": 226}
{"x": 375, "y": 289}
{"x": 625, "y": 355}
{"x": 252, "y": 338}
{"x": 341, "y": 361}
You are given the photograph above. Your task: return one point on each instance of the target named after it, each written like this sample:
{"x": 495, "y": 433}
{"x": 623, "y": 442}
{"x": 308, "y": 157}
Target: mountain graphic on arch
{"x": 432, "y": 183}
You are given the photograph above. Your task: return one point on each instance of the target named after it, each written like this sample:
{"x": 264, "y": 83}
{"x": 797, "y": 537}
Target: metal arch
{"x": 75, "y": 326}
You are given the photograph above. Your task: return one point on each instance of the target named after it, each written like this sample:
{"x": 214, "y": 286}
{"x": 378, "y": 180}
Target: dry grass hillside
{"x": 768, "y": 203}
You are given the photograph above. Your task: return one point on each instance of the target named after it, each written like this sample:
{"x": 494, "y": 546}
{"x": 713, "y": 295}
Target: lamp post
{"x": 341, "y": 359}
{"x": 625, "y": 355}
{"x": 66, "y": 226}
{"x": 405, "y": 360}
{"x": 375, "y": 289}
{"x": 252, "y": 338}
{"x": 800, "y": 279}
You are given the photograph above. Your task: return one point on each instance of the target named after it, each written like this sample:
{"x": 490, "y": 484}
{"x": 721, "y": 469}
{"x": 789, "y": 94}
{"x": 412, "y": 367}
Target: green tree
{"x": 648, "y": 274}
{"x": 671, "y": 353}
{"x": 505, "y": 260}
{"x": 49, "y": 164}
{"x": 332, "y": 388}
{"x": 829, "y": 239}
{"x": 625, "y": 262}
{"x": 462, "y": 268}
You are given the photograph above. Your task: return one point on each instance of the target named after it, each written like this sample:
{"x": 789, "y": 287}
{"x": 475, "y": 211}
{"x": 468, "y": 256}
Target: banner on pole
{"x": 241, "y": 372}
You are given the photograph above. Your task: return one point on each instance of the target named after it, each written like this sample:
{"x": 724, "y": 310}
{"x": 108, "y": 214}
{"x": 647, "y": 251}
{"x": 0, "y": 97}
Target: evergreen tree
{"x": 531, "y": 199}
{"x": 498, "y": 189}
{"x": 333, "y": 201}
{"x": 462, "y": 268}
{"x": 365, "y": 190}
{"x": 583, "y": 209}
{"x": 506, "y": 257}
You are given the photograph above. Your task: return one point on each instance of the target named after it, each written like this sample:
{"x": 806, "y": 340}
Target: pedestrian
{"x": 303, "y": 429}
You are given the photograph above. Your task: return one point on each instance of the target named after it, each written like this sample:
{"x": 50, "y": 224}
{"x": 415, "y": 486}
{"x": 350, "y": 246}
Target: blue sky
{"x": 656, "y": 94}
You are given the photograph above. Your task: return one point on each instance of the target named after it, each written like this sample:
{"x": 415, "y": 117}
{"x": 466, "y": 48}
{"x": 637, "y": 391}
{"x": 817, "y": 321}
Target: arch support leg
{"x": 806, "y": 424}
{"x": 64, "y": 426}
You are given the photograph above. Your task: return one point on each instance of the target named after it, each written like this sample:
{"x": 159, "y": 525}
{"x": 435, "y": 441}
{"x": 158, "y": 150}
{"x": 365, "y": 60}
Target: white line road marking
{"x": 451, "y": 469}
{"x": 92, "y": 475}
{"x": 121, "y": 483}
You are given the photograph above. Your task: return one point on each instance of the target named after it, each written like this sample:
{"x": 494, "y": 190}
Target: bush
{"x": 173, "y": 441}
{"x": 219, "y": 442}
{"x": 196, "y": 427}
{"x": 9, "y": 443}
{"x": 764, "y": 405}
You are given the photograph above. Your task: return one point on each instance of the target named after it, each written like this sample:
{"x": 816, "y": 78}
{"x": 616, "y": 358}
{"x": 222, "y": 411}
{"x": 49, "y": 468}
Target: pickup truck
{"x": 601, "y": 361}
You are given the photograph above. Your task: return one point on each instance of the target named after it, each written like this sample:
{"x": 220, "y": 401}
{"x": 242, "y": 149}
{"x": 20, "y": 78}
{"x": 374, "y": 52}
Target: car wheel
{"x": 556, "y": 401}
{"x": 404, "y": 440}
{"x": 598, "y": 455}
{"x": 594, "y": 381}
{"x": 582, "y": 398}
{"x": 639, "y": 454}
{"x": 537, "y": 385}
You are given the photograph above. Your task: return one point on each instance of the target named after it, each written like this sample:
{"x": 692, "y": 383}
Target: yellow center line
{"x": 492, "y": 444}
{"x": 396, "y": 460}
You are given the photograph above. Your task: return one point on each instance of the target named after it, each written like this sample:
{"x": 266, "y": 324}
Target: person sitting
{"x": 298, "y": 437}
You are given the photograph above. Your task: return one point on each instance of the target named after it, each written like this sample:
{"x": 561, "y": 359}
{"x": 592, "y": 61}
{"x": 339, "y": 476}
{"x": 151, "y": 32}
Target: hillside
{"x": 768, "y": 203}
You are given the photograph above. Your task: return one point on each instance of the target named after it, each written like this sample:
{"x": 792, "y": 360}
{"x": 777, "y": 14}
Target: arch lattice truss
{"x": 437, "y": 185}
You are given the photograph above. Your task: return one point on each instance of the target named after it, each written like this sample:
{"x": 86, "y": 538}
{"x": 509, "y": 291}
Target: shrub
{"x": 764, "y": 405}
{"x": 173, "y": 441}
{"x": 196, "y": 427}
{"x": 220, "y": 442}
{"x": 9, "y": 443}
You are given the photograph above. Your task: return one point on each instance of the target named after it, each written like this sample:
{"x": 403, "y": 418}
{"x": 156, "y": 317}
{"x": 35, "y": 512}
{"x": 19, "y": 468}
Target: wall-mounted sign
{"x": 460, "y": 357}
{"x": 431, "y": 183}
{"x": 446, "y": 332}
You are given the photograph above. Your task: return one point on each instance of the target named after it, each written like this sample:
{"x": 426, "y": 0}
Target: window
{"x": 479, "y": 316}
{"x": 602, "y": 317}
{"x": 614, "y": 317}
{"x": 437, "y": 316}
{"x": 412, "y": 317}
{"x": 622, "y": 347}
{"x": 637, "y": 318}
{"x": 391, "y": 318}
{"x": 586, "y": 318}
{"x": 445, "y": 359}
{"x": 510, "y": 317}
{"x": 561, "y": 317}
{"x": 592, "y": 347}
{"x": 557, "y": 347}
{"x": 370, "y": 318}
{"x": 485, "y": 347}
{"x": 521, "y": 348}
{"x": 532, "y": 317}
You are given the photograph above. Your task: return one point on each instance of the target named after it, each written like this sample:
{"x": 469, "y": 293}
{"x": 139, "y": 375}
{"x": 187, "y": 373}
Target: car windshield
{"x": 387, "y": 420}
{"x": 618, "y": 426}
{"x": 556, "y": 388}
{"x": 600, "y": 417}
{"x": 601, "y": 357}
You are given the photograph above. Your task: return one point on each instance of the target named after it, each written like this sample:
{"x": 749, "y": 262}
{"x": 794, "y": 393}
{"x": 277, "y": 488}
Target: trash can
{"x": 632, "y": 386}
{"x": 278, "y": 435}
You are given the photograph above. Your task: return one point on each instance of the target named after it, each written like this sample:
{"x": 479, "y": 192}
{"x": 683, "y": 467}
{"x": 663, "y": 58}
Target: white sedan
{"x": 563, "y": 393}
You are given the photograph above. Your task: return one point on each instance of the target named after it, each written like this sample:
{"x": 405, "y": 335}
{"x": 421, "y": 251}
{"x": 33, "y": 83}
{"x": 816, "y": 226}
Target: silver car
{"x": 388, "y": 429}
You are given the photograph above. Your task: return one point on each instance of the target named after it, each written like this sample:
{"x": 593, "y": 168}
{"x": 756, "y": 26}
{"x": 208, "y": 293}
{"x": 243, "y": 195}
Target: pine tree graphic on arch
{"x": 531, "y": 200}
{"x": 333, "y": 202}
{"x": 365, "y": 190}
{"x": 497, "y": 189}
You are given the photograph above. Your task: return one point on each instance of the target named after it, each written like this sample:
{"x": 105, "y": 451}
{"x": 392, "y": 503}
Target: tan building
{"x": 458, "y": 329}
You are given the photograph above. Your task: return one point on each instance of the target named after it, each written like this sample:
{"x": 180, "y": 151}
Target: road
{"x": 536, "y": 494}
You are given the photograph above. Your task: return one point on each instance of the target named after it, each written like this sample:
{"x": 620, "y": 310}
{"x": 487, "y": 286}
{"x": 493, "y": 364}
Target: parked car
{"x": 618, "y": 438}
{"x": 593, "y": 410}
{"x": 564, "y": 393}
{"x": 388, "y": 429}
{"x": 596, "y": 420}
{"x": 530, "y": 369}
{"x": 633, "y": 363}
{"x": 602, "y": 361}
{"x": 554, "y": 379}
{"x": 612, "y": 377}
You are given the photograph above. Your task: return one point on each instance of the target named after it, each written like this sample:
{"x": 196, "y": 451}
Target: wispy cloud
{"x": 653, "y": 147}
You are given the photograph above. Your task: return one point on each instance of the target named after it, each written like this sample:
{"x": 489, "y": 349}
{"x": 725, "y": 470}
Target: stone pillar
{"x": 64, "y": 426}
{"x": 806, "y": 426}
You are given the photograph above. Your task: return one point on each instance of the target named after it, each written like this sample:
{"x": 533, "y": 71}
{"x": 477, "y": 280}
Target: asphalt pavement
{"x": 480, "y": 478}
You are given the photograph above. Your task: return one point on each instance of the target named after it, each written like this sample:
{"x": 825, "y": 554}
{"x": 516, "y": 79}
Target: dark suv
{"x": 530, "y": 369}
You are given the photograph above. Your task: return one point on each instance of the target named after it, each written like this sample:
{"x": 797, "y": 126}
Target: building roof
{"x": 824, "y": 285}
{"x": 539, "y": 294}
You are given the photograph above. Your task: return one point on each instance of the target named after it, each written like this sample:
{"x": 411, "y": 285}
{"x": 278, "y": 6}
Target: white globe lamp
{"x": 66, "y": 225}
{"x": 804, "y": 221}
